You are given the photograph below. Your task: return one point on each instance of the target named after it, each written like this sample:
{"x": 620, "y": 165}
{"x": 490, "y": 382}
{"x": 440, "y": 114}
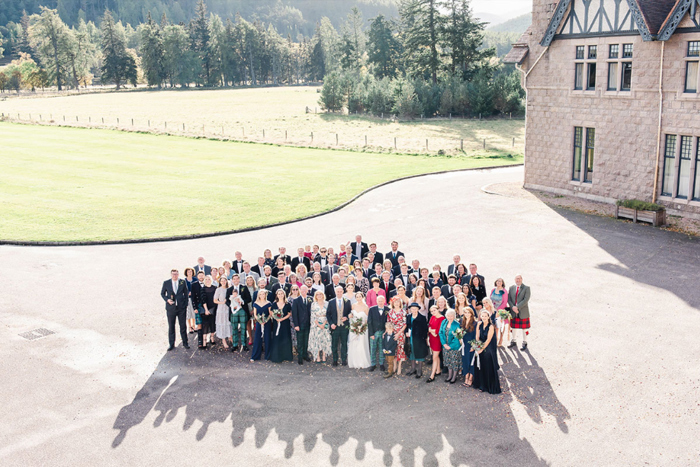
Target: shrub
{"x": 639, "y": 205}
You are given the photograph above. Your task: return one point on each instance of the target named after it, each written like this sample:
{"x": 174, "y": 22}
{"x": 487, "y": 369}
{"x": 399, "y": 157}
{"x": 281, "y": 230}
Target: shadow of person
{"x": 313, "y": 407}
{"x": 529, "y": 386}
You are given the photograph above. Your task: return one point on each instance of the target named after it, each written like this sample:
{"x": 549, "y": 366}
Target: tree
{"x": 333, "y": 93}
{"x": 118, "y": 64}
{"x": 52, "y": 40}
{"x": 462, "y": 40}
{"x": 3, "y": 81}
{"x": 23, "y": 45}
{"x": 15, "y": 80}
{"x": 422, "y": 24}
{"x": 384, "y": 48}
{"x": 352, "y": 44}
{"x": 199, "y": 34}
{"x": 152, "y": 53}
{"x": 180, "y": 63}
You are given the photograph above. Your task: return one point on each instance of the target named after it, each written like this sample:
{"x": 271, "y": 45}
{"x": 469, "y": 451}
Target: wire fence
{"x": 377, "y": 141}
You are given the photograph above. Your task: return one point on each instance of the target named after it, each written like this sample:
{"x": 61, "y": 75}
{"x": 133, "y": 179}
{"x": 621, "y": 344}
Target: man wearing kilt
{"x": 518, "y": 298}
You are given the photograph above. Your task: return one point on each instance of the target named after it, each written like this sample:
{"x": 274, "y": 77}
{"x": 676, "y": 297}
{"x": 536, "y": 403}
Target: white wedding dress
{"x": 358, "y": 346}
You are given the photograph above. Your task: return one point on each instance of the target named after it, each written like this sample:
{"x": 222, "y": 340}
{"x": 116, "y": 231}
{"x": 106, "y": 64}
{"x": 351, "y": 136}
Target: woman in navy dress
{"x": 262, "y": 334}
{"x": 486, "y": 373}
{"x": 281, "y": 349}
{"x": 469, "y": 325}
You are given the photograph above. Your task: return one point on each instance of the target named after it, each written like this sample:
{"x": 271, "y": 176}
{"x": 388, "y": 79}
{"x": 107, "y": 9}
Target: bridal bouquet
{"x": 476, "y": 347}
{"x": 277, "y": 313}
{"x": 459, "y": 333}
{"x": 358, "y": 326}
{"x": 504, "y": 315}
{"x": 261, "y": 319}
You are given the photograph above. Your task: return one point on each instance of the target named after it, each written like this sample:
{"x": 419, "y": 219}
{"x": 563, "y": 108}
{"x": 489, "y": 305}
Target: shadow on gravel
{"x": 403, "y": 417}
{"x": 663, "y": 259}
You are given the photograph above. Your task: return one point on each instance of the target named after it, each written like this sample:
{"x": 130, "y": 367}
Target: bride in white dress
{"x": 358, "y": 345}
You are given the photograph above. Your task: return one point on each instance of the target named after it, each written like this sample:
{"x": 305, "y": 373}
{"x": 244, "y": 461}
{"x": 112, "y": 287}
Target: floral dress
{"x": 319, "y": 339}
{"x": 398, "y": 319}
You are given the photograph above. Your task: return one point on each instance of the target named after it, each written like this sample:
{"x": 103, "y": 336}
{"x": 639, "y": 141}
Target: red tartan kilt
{"x": 517, "y": 323}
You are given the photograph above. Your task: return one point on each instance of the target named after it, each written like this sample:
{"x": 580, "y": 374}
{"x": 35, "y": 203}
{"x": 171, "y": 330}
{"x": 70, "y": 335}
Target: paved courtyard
{"x": 610, "y": 376}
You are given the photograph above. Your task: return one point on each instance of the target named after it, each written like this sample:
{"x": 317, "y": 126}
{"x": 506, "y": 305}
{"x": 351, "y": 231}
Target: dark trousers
{"x": 303, "y": 343}
{"x": 339, "y": 337}
{"x": 260, "y": 340}
{"x": 180, "y": 315}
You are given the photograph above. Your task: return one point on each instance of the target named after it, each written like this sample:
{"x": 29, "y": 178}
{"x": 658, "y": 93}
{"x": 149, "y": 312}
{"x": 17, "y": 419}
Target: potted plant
{"x": 637, "y": 210}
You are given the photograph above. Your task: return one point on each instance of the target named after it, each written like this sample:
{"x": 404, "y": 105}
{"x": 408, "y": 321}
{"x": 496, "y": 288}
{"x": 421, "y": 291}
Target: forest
{"x": 428, "y": 60}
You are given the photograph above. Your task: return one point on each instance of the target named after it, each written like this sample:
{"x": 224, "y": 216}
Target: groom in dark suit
{"x": 338, "y": 317}
{"x": 174, "y": 292}
{"x": 301, "y": 314}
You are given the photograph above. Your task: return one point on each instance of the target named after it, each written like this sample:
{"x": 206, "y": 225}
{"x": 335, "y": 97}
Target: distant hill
{"x": 518, "y": 24}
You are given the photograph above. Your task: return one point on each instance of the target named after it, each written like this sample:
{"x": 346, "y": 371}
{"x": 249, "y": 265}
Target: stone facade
{"x": 629, "y": 148}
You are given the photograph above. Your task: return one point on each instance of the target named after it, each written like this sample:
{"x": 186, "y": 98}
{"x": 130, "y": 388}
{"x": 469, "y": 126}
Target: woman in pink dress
{"x": 374, "y": 292}
{"x": 397, "y": 316}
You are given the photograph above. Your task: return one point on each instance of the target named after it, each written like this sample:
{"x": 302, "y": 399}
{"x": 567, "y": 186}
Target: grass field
{"x": 70, "y": 184}
{"x": 243, "y": 114}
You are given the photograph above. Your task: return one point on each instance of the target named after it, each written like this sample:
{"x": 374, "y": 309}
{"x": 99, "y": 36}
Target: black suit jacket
{"x": 260, "y": 271}
{"x": 378, "y": 259}
{"x": 394, "y": 258}
{"x": 375, "y": 321}
{"x": 276, "y": 286}
{"x": 305, "y": 261}
{"x": 330, "y": 290}
{"x": 243, "y": 292}
{"x": 481, "y": 279}
{"x": 196, "y": 295}
{"x": 179, "y": 296}
{"x": 287, "y": 259}
{"x": 324, "y": 276}
{"x": 332, "y": 312}
{"x": 301, "y": 312}
{"x": 207, "y": 270}
{"x": 317, "y": 258}
{"x": 363, "y": 248}
{"x": 447, "y": 291}
{"x": 388, "y": 288}
{"x": 234, "y": 266}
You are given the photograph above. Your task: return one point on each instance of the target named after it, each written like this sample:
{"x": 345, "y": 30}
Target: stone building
{"x": 613, "y": 108}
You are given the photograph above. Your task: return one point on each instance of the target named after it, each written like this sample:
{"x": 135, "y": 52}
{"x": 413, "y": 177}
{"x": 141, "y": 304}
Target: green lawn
{"x": 70, "y": 184}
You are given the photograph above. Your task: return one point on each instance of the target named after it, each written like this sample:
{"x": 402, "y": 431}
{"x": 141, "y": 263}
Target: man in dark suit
{"x": 396, "y": 270}
{"x": 241, "y": 316}
{"x": 378, "y": 257}
{"x": 403, "y": 275}
{"x": 452, "y": 268}
{"x": 331, "y": 268}
{"x": 376, "y": 319}
{"x": 197, "y": 304}
{"x": 283, "y": 254}
{"x": 359, "y": 248}
{"x": 434, "y": 297}
{"x": 473, "y": 272}
{"x": 447, "y": 289}
{"x": 301, "y": 259}
{"x": 366, "y": 268}
{"x": 259, "y": 268}
{"x": 330, "y": 288}
{"x": 237, "y": 264}
{"x": 270, "y": 281}
{"x": 301, "y": 315}
{"x": 174, "y": 292}
{"x": 202, "y": 267}
{"x": 338, "y": 318}
{"x": 394, "y": 254}
{"x": 415, "y": 268}
{"x": 386, "y": 283}
{"x": 280, "y": 284}
{"x": 322, "y": 258}
{"x": 317, "y": 269}
{"x": 456, "y": 290}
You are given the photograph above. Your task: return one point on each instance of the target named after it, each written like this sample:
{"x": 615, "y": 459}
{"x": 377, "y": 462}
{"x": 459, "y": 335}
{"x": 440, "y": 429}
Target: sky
{"x": 505, "y": 9}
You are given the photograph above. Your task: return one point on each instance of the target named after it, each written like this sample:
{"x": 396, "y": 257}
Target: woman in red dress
{"x": 397, "y": 316}
{"x": 436, "y": 320}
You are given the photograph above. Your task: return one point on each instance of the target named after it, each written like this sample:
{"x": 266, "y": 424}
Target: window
{"x": 614, "y": 51}
{"x": 592, "y": 52}
{"x": 691, "y": 76}
{"x": 694, "y": 49}
{"x": 579, "y": 52}
{"x": 669, "y": 158}
{"x": 684, "y": 167}
{"x": 590, "y": 149}
{"x": 696, "y": 190}
{"x": 691, "y": 67}
{"x": 578, "y": 81}
{"x": 590, "y": 85}
{"x": 578, "y": 148}
{"x": 626, "y": 83}
{"x": 612, "y": 76}
{"x": 626, "y": 50}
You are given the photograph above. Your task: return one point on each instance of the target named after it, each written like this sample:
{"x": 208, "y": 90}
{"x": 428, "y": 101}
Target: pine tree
{"x": 118, "y": 64}
{"x": 199, "y": 34}
{"x": 422, "y": 25}
{"x": 51, "y": 39}
{"x": 384, "y": 48}
{"x": 22, "y": 46}
{"x": 462, "y": 39}
{"x": 152, "y": 52}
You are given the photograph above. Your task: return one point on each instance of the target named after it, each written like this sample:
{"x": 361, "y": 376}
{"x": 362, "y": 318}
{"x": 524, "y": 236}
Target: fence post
{"x": 263, "y": 133}
{"x": 64, "y": 118}
{"x": 117, "y": 120}
{"x": 103, "y": 120}
{"x": 243, "y": 131}
{"x": 149, "y": 124}
{"x": 450, "y": 115}
{"x": 394, "y": 142}
{"x": 132, "y": 122}
{"x": 285, "y": 135}
{"x": 183, "y": 127}
{"x": 513, "y": 142}
{"x": 426, "y": 144}
{"x": 76, "y": 118}
{"x": 336, "y": 139}
{"x": 484, "y": 143}
{"x": 365, "y": 140}
{"x": 89, "y": 119}
{"x": 479, "y": 116}
{"x": 166, "y": 125}
{"x": 511, "y": 115}
{"x": 312, "y": 136}
{"x": 461, "y": 144}
{"x": 40, "y": 118}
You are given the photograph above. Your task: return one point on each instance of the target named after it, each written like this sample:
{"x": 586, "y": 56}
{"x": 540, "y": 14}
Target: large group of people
{"x": 356, "y": 307}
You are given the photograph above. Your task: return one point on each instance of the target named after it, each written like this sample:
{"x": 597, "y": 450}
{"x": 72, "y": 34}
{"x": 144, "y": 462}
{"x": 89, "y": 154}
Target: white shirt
{"x": 175, "y": 284}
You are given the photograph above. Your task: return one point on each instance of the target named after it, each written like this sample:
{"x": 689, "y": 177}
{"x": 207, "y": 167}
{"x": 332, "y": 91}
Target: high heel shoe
{"x": 430, "y": 380}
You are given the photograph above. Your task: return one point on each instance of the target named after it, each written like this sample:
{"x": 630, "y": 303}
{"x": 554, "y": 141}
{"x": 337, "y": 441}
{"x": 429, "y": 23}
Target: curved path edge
{"x": 247, "y": 229}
